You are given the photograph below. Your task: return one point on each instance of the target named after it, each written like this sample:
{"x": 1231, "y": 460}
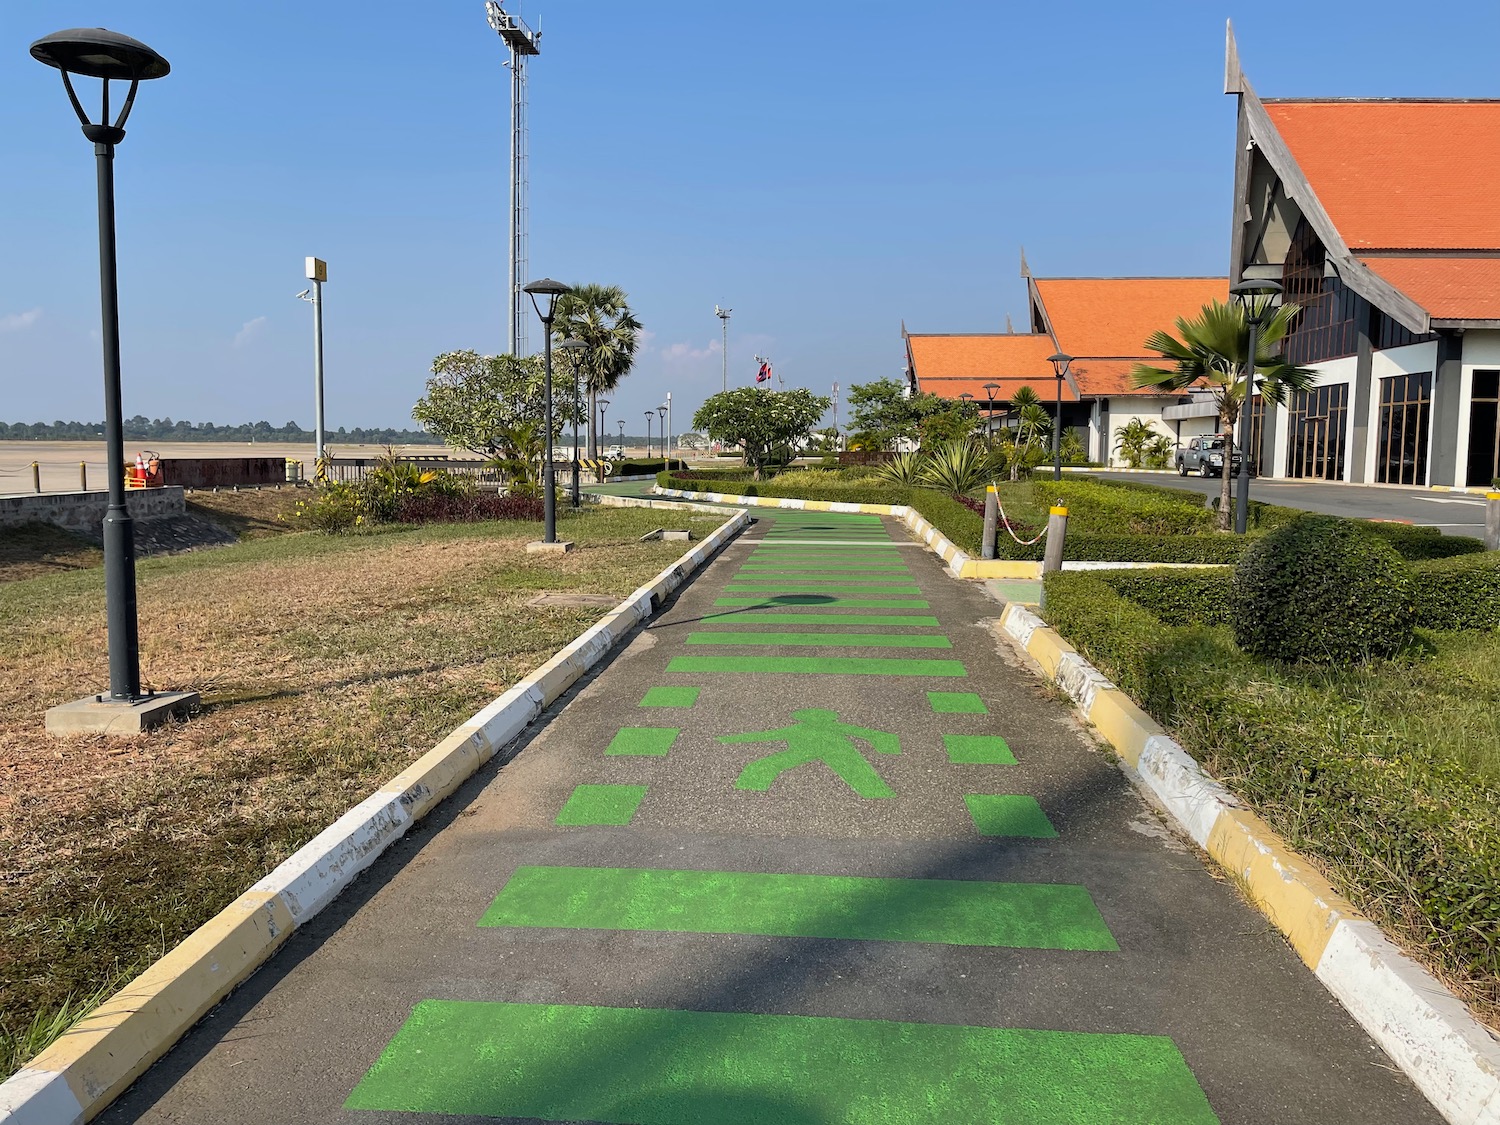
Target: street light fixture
{"x": 574, "y": 347}
{"x": 110, "y": 56}
{"x": 1258, "y": 297}
{"x": 989, "y": 418}
{"x": 546, "y": 308}
{"x": 603, "y": 405}
{"x": 661, "y": 412}
{"x": 650, "y": 414}
{"x": 1060, "y": 363}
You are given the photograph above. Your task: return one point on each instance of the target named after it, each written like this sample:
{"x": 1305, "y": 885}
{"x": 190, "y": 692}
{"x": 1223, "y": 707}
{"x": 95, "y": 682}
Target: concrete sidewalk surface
{"x": 813, "y": 848}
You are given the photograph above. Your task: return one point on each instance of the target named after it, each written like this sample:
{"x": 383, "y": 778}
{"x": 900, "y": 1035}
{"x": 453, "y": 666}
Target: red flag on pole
{"x": 764, "y": 373}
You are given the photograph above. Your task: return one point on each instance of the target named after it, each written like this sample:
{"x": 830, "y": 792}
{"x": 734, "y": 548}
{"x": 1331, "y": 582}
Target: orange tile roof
{"x": 1448, "y": 288}
{"x": 1044, "y": 386}
{"x": 983, "y": 357}
{"x": 1400, "y": 175}
{"x": 1110, "y": 317}
{"x": 1112, "y": 376}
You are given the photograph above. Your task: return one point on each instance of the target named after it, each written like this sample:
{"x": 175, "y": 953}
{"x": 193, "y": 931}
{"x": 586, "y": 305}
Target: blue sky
{"x": 826, "y": 169}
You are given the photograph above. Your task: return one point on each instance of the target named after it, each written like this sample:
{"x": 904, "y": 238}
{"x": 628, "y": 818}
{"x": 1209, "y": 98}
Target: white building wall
{"x": 1328, "y": 373}
{"x": 1148, "y": 408}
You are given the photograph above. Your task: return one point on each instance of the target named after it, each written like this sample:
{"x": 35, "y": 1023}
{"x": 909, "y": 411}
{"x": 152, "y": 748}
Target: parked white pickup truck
{"x": 1205, "y": 456}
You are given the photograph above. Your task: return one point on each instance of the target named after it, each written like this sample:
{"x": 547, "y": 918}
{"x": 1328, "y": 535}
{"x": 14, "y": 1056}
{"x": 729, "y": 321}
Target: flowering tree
{"x": 477, "y": 402}
{"x": 761, "y": 422}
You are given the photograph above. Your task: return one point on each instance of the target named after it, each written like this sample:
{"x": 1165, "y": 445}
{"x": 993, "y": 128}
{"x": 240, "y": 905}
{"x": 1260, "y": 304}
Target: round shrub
{"x": 1322, "y": 590}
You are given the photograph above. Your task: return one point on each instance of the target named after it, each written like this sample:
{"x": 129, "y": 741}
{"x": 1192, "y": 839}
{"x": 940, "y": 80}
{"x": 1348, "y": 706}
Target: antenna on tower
{"x": 523, "y": 43}
{"x": 723, "y": 315}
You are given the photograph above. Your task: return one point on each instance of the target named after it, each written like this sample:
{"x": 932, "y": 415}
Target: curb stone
{"x": 1429, "y": 1033}
{"x": 79, "y": 1075}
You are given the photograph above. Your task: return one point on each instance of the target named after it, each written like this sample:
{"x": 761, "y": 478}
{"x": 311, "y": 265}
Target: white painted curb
{"x": 1448, "y": 1054}
{"x": 77, "y": 1077}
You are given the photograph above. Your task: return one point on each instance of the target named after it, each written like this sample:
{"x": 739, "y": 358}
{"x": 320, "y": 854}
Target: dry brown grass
{"x": 33, "y": 550}
{"x": 250, "y": 513}
{"x": 325, "y": 665}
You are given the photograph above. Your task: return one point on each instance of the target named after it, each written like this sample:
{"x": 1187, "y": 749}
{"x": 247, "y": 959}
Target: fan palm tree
{"x": 599, "y": 316}
{"x": 1213, "y": 350}
{"x": 1033, "y": 427}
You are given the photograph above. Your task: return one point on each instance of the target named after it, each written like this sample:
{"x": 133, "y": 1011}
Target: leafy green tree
{"x": 474, "y": 401}
{"x": 601, "y": 317}
{"x": 1025, "y": 443}
{"x": 761, "y": 421}
{"x": 1132, "y": 441}
{"x": 1214, "y": 350}
{"x": 941, "y": 421}
{"x": 881, "y": 414}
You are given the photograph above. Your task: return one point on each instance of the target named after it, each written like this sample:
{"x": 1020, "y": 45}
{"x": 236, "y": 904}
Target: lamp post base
{"x": 102, "y": 715}
{"x": 542, "y": 547}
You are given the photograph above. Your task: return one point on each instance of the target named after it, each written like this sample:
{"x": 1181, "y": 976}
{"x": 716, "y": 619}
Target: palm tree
{"x": 1133, "y": 438}
{"x": 1033, "y": 426}
{"x": 600, "y": 317}
{"x": 1213, "y": 350}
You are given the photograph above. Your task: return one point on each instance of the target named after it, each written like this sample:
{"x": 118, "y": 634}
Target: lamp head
{"x": 1059, "y": 363}
{"x": 573, "y": 345}
{"x": 546, "y": 292}
{"x": 94, "y": 52}
{"x": 990, "y": 389}
{"x": 1258, "y": 292}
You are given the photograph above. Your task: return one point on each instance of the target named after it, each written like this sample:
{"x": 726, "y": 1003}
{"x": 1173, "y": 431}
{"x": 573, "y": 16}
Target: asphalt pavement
{"x": 812, "y": 848}
{"x": 1452, "y": 514}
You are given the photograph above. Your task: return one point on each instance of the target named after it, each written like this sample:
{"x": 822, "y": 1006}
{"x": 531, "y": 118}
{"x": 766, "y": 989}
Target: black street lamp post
{"x": 661, "y": 413}
{"x": 650, "y": 414}
{"x": 989, "y": 417}
{"x": 1258, "y": 299}
{"x": 603, "y": 405}
{"x": 622, "y": 439}
{"x": 108, "y": 55}
{"x": 574, "y": 347}
{"x": 1060, "y": 363}
{"x": 549, "y": 291}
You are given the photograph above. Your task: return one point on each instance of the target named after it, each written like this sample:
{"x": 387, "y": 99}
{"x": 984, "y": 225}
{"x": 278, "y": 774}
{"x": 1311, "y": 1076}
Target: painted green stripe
{"x": 769, "y": 600}
{"x": 827, "y": 640}
{"x": 649, "y": 742}
{"x": 756, "y": 617}
{"x": 670, "y": 697}
{"x": 601, "y": 804}
{"x": 819, "y": 567}
{"x": 801, "y": 588}
{"x": 978, "y": 750}
{"x": 650, "y": 1066}
{"x": 956, "y": 703}
{"x": 819, "y": 665}
{"x": 1009, "y": 814}
{"x": 939, "y": 911}
{"x": 827, "y": 581}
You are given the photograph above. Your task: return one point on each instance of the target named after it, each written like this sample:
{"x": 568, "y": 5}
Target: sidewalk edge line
{"x": 78, "y": 1076}
{"x": 1427, "y": 1030}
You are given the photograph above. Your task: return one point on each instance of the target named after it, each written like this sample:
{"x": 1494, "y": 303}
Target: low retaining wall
{"x": 1427, "y": 1030}
{"x": 222, "y": 472}
{"x": 84, "y": 511}
{"x": 79, "y": 1075}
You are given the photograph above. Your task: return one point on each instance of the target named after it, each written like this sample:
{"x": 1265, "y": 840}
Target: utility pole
{"x": 317, "y": 273}
{"x": 835, "y": 417}
{"x": 723, "y": 315}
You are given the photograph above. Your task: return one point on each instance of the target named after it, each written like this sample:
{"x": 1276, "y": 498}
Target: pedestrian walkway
{"x": 814, "y": 849}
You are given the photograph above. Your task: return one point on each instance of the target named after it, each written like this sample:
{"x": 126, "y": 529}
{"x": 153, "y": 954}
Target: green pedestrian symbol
{"x": 818, "y": 736}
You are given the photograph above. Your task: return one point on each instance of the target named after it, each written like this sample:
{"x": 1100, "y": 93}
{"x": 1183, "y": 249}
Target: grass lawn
{"x": 326, "y": 665}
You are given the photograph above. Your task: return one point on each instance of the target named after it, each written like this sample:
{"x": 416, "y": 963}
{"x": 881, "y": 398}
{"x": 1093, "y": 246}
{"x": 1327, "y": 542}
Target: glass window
{"x": 1484, "y": 430}
{"x": 1405, "y": 412}
{"x": 1327, "y": 327}
{"x": 1317, "y": 422}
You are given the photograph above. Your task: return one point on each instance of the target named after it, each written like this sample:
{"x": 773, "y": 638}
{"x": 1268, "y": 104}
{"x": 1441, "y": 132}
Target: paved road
{"x": 813, "y": 849}
{"x": 1452, "y": 514}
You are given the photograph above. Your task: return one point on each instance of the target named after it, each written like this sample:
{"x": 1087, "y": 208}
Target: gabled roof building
{"x": 1392, "y": 249}
{"x": 1102, "y": 322}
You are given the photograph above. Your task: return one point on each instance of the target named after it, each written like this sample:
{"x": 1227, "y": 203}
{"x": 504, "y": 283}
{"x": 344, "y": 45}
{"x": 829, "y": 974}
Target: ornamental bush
{"x": 1321, "y": 590}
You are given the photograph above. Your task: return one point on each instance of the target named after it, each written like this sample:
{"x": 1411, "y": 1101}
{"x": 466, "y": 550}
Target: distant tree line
{"x": 141, "y": 428}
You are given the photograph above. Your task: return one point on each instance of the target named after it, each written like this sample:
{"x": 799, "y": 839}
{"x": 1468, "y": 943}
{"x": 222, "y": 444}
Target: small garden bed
{"x": 1387, "y": 773}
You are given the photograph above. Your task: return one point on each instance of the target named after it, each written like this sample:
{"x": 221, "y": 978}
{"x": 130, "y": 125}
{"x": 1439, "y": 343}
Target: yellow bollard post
{"x": 1057, "y": 533}
{"x": 36, "y": 477}
{"x": 83, "y": 476}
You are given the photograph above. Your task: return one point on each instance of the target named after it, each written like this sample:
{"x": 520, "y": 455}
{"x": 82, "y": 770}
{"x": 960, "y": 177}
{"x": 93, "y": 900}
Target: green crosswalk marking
{"x": 767, "y": 617}
{"x": 799, "y": 588}
{"x": 1009, "y": 814}
{"x": 752, "y": 567}
{"x": 670, "y": 697}
{"x": 939, "y": 911}
{"x": 601, "y": 804}
{"x": 652, "y": 742}
{"x": 757, "y": 581}
{"x": 649, "y": 1066}
{"x": 978, "y": 750}
{"x": 829, "y": 640}
{"x": 956, "y": 703}
{"x": 770, "y": 601}
{"x": 819, "y": 665}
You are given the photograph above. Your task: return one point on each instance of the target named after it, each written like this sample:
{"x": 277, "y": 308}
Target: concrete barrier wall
{"x": 84, "y": 511}
{"x": 222, "y": 472}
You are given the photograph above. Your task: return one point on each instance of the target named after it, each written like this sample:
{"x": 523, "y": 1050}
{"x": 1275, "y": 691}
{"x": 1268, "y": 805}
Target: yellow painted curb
{"x": 115, "y": 1044}
{"x": 1287, "y": 888}
{"x": 1048, "y": 649}
{"x": 1122, "y": 723}
{"x": 1001, "y": 568}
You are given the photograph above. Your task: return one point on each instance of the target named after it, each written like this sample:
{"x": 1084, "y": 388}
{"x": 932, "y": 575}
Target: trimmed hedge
{"x": 1458, "y": 593}
{"x": 1322, "y": 590}
{"x": 1409, "y": 835}
{"x": 1176, "y": 597}
{"x": 643, "y": 468}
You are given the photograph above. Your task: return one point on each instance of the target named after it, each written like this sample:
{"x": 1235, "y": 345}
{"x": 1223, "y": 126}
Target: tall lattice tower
{"x": 522, "y": 43}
